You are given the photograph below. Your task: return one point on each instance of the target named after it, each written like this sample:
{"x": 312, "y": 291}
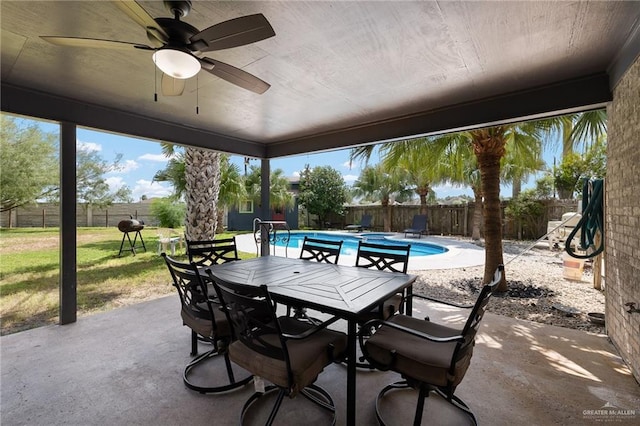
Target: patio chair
{"x": 212, "y": 252}
{"x": 365, "y": 223}
{"x": 168, "y": 238}
{"x": 286, "y": 352}
{"x": 203, "y": 316}
{"x": 430, "y": 357}
{"x": 384, "y": 257}
{"x": 318, "y": 250}
{"x": 419, "y": 226}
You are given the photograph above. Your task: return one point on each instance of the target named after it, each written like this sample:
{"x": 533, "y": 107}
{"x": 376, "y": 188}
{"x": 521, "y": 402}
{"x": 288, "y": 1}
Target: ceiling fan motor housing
{"x": 179, "y": 32}
{"x": 179, "y": 9}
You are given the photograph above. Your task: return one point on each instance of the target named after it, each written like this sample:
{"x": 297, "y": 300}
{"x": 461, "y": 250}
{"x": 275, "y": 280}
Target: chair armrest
{"x": 378, "y": 323}
{"x": 444, "y": 302}
{"x": 311, "y": 331}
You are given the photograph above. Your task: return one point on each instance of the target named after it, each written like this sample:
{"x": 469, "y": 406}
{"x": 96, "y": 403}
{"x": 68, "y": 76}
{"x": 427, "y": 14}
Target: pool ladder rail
{"x": 271, "y": 235}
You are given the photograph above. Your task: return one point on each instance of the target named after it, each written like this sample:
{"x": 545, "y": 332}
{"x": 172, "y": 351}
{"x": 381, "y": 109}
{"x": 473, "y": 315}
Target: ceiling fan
{"x": 178, "y": 47}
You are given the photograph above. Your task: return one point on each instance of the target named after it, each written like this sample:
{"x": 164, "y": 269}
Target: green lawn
{"x": 29, "y": 274}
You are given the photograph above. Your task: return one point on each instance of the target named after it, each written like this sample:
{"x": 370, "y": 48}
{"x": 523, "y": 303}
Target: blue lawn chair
{"x": 418, "y": 226}
{"x": 365, "y": 223}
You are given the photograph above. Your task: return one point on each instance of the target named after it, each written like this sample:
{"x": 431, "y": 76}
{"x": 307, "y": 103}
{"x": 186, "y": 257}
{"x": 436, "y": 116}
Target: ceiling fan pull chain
{"x": 197, "y": 95}
{"x": 155, "y": 81}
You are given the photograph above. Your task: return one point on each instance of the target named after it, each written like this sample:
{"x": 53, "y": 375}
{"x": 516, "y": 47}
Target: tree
{"x": 195, "y": 176}
{"x": 174, "y": 172}
{"x": 202, "y": 175}
{"x": 579, "y": 129}
{"x": 322, "y": 192}
{"x": 574, "y": 168}
{"x": 28, "y": 163}
{"x": 523, "y": 158}
{"x": 376, "y": 183}
{"x": 420, "y": 164}
{"x": 93, "y": 189}
{"x": 30, "y": 169}
{"x": 232, "y": 189}
{"x": 280, "y": 195}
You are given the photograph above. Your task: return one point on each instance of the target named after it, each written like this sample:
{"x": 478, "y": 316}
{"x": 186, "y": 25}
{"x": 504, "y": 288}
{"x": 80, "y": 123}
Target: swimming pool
{"x": 350, "y": 242}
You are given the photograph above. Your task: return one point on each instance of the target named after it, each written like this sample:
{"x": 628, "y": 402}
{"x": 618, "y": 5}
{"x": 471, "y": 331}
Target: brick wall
{"x": 622, "y": 228}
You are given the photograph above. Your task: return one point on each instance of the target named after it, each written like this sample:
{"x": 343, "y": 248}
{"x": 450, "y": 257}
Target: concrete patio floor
{"x": 125, "y": 367}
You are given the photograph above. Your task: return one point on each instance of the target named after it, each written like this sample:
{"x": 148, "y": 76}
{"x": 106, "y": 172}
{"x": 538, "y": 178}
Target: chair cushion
{"x": 389, "y": 307}
{"x": 418, "y": 358}
{"x": 308, "y": 356}
{"x": 201, "y": 323}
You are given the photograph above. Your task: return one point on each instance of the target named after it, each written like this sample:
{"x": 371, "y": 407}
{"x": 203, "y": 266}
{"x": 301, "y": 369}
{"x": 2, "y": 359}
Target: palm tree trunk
{"x": 220, "y": 220}
{"x": 202, "y": 172}
{"x": 422, "y": 193}
{"x": 477, "y": 215}
{"x": 516, "y": 187}
{"x": 489, "y": 149}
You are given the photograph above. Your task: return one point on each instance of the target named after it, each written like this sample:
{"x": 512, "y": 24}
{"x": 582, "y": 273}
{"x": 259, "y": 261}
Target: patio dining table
{"x": 343, "y": 291}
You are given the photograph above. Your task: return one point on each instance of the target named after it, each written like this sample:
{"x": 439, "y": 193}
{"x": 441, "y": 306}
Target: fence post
{"x": 43, "y": 218}
{"x": 106, "y": 218}
{"x": 89, "y": 215}
{"x": 466, "y": 219}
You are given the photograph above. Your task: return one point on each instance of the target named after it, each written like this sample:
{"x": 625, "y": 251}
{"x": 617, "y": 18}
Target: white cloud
{"x": 349, "y": 179}
{"x": 296, "y": 174}
{"x": 88, "y": 146}
{"x": 159, "y": 158}
{"x": 350, "y": 166}
{"x": 150, "y": 189}
{"x": 115, "y": 182}
{"x": 128, "y": 166}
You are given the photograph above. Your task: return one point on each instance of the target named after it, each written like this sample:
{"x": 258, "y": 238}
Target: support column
{"x": 68, "y": 264}
{"x": 265, "y": 208}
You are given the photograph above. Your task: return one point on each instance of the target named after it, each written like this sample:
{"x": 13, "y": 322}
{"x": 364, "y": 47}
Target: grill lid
{"x": 130, "y": 225}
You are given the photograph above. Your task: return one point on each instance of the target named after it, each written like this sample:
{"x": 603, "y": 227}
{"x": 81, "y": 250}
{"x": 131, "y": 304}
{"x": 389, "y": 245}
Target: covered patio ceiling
{"x": 341, "y": 73}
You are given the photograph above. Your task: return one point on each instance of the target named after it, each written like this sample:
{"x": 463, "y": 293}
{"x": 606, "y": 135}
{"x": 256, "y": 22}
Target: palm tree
{"x": 523, "y": 158}
{"x": 280, "y": 196}
{"x": 232, "y": 189}
{"x": 202, "y": 172}
{"x": 421, "y": 165}
{"x": 173, "y": 172}
{"x": 199, "y": 185}
{"x": 460, "y": 165}
{"x": 579, "y": 129}
{"x": 376, "y": 183}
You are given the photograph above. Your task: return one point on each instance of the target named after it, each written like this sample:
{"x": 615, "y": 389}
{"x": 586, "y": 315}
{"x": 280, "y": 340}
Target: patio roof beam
{"x": 591, "y": 92}
{"x": 23, "y": 101}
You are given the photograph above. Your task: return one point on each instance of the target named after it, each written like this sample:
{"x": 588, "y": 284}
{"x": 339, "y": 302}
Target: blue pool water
{"x": 350, "y": 242}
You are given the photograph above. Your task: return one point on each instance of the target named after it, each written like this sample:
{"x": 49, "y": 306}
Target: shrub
{"x": 170, "y": 214}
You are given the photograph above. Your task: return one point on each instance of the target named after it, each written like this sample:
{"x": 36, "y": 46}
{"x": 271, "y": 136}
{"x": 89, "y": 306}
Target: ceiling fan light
{"x": 176, "y": 63}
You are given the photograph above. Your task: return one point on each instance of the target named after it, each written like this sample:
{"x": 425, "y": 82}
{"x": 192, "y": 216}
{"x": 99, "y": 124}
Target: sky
{"x": 143, "y": 158}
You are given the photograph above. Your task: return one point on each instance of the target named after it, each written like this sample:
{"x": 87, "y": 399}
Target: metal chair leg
{"x": 233, "y": 384}
{"x": 423, "y": 394}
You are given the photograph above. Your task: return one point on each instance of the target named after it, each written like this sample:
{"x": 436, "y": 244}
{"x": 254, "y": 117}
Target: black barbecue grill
{"x": 131, "y": 225}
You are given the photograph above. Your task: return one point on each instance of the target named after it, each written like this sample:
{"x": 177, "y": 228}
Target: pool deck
{"x": 460, "y": 254}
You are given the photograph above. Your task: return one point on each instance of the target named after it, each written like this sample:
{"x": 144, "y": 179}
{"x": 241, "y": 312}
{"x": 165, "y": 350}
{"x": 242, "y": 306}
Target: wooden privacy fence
{"x": 458, "y": 219}
{"x": 46, "y": 215}
{"x": 443, "y": 219}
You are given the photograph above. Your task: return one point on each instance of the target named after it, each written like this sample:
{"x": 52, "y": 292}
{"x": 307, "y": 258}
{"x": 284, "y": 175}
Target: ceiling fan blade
{"x": 142, "y": 18}
{"x": 233, "y": 33}
{"x": 234, "y": 75}
{"x": 94, "y": 43}
{"x": 172, "y": 86}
